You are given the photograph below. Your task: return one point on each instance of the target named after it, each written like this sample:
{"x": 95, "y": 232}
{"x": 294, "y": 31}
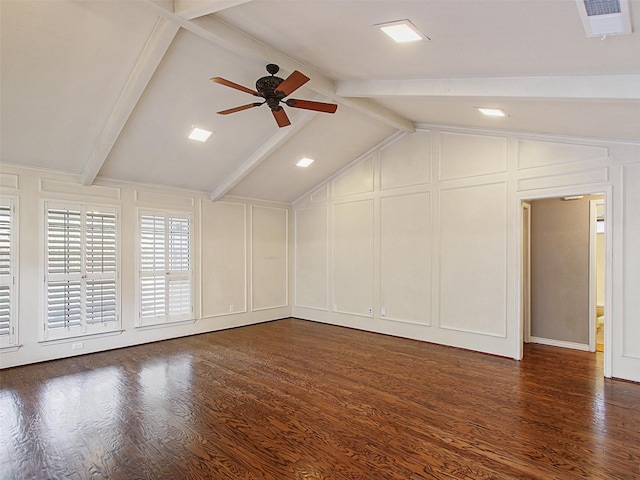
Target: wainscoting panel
{"x": 536, "y": 153}
{"x": 464, "y": 155}
{"x": 177, "y": 201}
{"x": 269, "y": 265}
{"x": 56, "y": 186}
{"x": 631, "y": 325}
{"x": 353, "y": 257}
{"x": 582, "y": 177}
{"x": 356, "y": 179}
{"x": 406, "y": 162}
{"x": 9, "y": 180}
{"x": 224, "y": 265}
{"x": 320, "y": 195}
{"x": 405, "y": 258}
{"x": 473, "y": 256}
{"x": 311, "y": 257}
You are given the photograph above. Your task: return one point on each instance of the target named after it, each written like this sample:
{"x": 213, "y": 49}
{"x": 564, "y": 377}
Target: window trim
{"x": 86, "y": 328}
{"x": 166, "y": 319}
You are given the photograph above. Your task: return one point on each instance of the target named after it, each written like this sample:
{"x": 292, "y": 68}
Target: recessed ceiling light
{"x": 492, "y": 112}
{"x": 304, "y": 162}
{"x": 402, "y": 31}
{"x": 199, "y": 134}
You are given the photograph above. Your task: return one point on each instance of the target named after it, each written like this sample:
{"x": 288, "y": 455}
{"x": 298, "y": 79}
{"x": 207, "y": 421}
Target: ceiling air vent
{"x": 602, "y": 18}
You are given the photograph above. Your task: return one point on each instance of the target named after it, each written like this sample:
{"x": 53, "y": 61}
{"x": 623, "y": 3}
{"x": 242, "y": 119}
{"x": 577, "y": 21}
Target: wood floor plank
{"x": 300, "y": 400}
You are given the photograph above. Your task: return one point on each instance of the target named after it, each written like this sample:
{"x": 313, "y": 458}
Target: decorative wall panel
{"x": 463, "y": 155}
{"x": 269, "y": 265}
{"x": 311, "y": 250}
{"x": 224, "y": 268}
{"x": 9, "y": 180}
{"x": 406, "y": 162}
{"x": 353, "y": 257}
{"x": 473, "y": 257}
{"x": 582, "y": 177}
{"x": 177, "y": 201}
{"x": 536, "y": 153}
{"x": 405, "y": 258}
{"x": 357, "y": 179}
{"x": 57, "y": 186}
{"x": 631, "y": 326}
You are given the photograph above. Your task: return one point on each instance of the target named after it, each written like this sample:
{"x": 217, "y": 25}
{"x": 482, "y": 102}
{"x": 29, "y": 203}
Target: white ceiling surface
{"x": 109, "y": 89}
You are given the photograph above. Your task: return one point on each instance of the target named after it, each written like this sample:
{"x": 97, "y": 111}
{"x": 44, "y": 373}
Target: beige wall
{"x": 560, "y": 269}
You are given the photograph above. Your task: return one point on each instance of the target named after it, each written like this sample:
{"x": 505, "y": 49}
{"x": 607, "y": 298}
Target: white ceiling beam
{"x": 161, "y": 38}
{"x": 298, "y": 121}
{"x": 191, "y": 9}
{"x": 610, "y": 87}
{"x": 236, "y": 41}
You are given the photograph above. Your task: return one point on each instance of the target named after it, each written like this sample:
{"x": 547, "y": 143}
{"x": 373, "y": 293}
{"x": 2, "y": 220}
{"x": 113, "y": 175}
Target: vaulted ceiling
{"x": 110, "y": 89}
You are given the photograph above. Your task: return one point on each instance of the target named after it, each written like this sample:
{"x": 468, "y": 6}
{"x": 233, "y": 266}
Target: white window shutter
{"x": 64, "y": 304}
{"x": 152, "y": 297}
{"x": 6, "y": 274}
{"x": 64, "y": 269}
{"x": 81, "y": 270}
{"x": 100, "y": 255}
{"x": 64, "y": 241}
{"x": 165, "y": 289}
{"x": 101, "y": 242}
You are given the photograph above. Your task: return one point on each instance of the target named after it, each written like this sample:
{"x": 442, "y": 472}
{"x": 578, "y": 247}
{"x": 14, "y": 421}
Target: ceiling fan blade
{"x": 292, "y": 83}
{"x": 239, "y": 109}
{"x": 311, "y": 105}
{"x": 281, "y": 117}
{"x": 229, "y": 83}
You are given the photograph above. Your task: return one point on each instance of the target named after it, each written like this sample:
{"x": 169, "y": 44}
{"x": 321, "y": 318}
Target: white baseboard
{"x": 560, "y": 343}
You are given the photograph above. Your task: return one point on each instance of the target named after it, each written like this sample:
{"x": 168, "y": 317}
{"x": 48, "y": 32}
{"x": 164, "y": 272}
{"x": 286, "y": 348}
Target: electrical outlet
{"x": 370, "y": 311}
{"x": 230, "y": 308}
{"x": 335, "y": 307}
{"x": 383, "y": 311}
{"x": 77, "y": 346}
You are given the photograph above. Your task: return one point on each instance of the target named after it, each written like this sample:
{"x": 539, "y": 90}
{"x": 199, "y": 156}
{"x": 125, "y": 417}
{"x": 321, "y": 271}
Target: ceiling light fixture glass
{"x": 199, "y": 134}
{"x": 492, "y": 112}
{"x": 304, "y": 162}
{"x": 402, "y": 31}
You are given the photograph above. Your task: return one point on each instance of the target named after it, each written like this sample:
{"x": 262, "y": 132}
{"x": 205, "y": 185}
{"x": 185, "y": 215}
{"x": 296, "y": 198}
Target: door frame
{"x": 593, "y": 236}
{"x": 523, "y": 333}
{"x": 525, "y": 265}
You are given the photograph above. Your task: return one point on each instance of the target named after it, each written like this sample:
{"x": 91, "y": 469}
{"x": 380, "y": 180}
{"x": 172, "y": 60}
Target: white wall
{"x": 420, "y": 238}
{"x": 241, "y": 260}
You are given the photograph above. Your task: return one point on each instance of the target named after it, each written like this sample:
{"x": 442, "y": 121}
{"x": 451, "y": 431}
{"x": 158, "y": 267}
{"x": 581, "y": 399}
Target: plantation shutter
{"x": 100, "y": 267}
{"x": 6, "y": 274}
{"x": 179, "y": 267}
{"x": 165, "y": 268}
{"x": 152, "y": 267}
{"x": 64, "y": 268}
{"x": 81, "y": 270}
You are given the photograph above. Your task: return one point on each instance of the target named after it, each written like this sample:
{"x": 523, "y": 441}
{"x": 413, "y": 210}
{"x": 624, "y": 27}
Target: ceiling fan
{"x": 273, "y": 90}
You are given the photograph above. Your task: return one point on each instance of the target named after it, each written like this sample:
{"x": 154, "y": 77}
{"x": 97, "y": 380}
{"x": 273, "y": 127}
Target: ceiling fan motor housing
{"x": 266, "y": 86}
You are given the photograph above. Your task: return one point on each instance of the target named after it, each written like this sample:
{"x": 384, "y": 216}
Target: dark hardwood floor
{"x": 299, "y": 400}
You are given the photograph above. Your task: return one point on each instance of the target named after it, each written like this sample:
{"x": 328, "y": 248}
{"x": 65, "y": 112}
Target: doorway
{"x": 597, "y": 273}
{"x": 563, "y": 271}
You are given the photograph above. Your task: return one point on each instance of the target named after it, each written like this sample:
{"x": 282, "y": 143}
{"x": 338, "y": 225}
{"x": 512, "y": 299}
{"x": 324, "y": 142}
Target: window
{"x": 165, "y": 268}
{"x": 81, "y": 270}
{"x": 8, "y": 258}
